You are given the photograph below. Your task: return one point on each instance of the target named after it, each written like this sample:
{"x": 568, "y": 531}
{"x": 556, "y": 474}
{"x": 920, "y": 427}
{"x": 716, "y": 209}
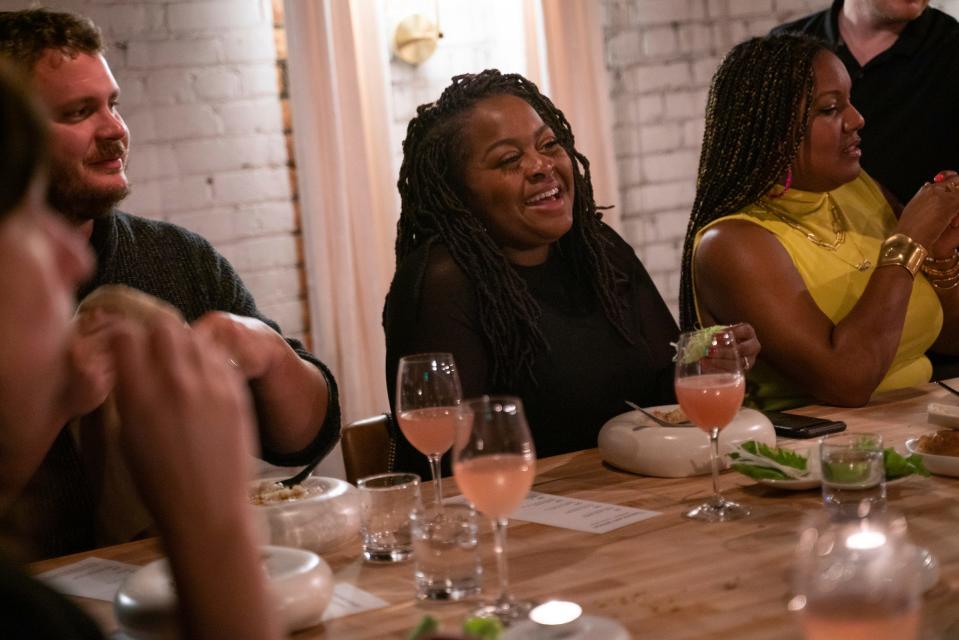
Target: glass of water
{"x": 853, "y": 474}
{"x": 446, "y": 558}
{"x": 386, "y": 502}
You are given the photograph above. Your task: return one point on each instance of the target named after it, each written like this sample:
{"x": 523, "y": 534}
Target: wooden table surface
{"x": 666, "y": 577}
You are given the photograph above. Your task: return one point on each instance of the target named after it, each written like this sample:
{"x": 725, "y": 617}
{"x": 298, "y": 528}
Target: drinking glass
{"x": 709, "y": 386}
{"x": 853, "y": 474}
{"x": 493, "y": 464}
{"x": 858, "y": 579}
{"x": 428, "y": 395}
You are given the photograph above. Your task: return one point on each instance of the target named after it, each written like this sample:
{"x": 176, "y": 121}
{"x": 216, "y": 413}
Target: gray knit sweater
{"x": 182, "y": 268}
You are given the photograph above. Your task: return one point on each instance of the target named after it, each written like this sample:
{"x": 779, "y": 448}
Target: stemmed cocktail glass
{"x": 428, "y": 395}
{"x": 709, "y": 387}
{"x": 493, "y": 464}
{"x": 858, "y": 578}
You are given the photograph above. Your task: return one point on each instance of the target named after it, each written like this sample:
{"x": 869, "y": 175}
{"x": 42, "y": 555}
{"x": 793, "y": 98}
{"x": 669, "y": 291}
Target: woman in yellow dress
{"x": 846, "y": 289}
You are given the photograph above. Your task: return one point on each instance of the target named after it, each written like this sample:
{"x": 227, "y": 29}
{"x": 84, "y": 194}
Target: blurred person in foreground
{"x": 294, "y": 393}
{"x": 502, "y": 260}
{"x": 190, "y": 450}
{"x": 789, "y": 234}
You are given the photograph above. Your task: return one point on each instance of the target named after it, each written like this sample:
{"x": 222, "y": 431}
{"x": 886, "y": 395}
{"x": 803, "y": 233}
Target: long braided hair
{"x": 434, "y": 208}
{"x": 756, "y": 118}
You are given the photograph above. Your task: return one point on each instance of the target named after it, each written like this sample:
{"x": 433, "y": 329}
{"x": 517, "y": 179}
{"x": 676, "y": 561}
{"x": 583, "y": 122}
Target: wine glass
{"x": 710, "y": 386}
{"x": 493, "y": 464}
{"x": 428, "y": 394}
{"x": 858, "y": 579}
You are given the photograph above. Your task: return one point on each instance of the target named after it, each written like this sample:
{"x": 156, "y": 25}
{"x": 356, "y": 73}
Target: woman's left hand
{"x": 746, "y": 343}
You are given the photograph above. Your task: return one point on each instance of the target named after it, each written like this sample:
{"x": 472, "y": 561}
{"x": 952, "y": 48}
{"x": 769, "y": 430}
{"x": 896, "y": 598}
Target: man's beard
{"x": 77, "y": 200}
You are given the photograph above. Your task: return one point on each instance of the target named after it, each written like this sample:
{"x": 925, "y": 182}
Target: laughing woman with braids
{"x": 502, "y": 260}
{"x": 788, "y": 233}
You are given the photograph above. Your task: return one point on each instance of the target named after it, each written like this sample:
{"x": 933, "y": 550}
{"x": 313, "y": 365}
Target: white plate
{"x": 811, "y": 482}
{"x": 301, "y": 584}
{"x": 815, "y": 473}
{"x": 674, "y": 452}
{"x": 940, "y": 465}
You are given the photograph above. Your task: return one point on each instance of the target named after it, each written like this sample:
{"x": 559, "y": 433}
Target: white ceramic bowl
{"x": 674, "y": 452}
{"x": 300, "y": 582}
{"x": 322, "y": 521}
{"x": 939, "y": 465}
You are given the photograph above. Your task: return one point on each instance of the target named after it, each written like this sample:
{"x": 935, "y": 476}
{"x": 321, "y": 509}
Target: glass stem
{"x": 714, "y": 461}
{"x": 434, "y": 459}
{"x": 499, "y": 548}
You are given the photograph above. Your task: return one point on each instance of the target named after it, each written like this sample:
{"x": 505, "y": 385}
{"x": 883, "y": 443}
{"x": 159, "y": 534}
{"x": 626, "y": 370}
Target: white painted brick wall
{"x": 661, "y": 55}
{"x": 199, "y": 93}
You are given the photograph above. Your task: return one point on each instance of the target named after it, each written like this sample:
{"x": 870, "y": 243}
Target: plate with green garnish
{"x": 798, "y": 470}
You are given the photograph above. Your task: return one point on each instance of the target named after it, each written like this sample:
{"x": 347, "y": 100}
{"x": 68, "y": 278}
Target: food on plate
{"x": 674, "y": 417}
{"x": 761, "y": 462}
{"x": 274, "y": 493}
{"x": 940, "y": 443}
{"x": 899, "y": 466}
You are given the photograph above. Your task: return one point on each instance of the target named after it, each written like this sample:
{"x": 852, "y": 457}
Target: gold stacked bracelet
{"x": 902, "y": 251}
{"x": 943, "y": 273}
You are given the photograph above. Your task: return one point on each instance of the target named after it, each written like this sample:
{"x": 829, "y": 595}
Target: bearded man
{"x": 294, "y": 393}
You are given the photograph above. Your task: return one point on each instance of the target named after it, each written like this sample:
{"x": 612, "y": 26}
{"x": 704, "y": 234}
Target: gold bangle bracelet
{"x": 951, "y": 272}
{"x": 937, "y": 284}
{"x": 952, "y": 260}
{"x": 902, "y": 251}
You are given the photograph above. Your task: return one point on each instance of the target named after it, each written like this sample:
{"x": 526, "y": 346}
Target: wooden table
{"x": 666, "y": 577}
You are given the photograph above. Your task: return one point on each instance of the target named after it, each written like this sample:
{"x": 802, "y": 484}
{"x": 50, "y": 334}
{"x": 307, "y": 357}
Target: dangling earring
{"x": 789, "y": 183}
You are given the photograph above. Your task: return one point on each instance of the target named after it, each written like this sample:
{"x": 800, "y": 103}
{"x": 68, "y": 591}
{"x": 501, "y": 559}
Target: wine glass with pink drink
{"x": 709, "y": 387}
{"x": 493, "y": 464}
{"x": 428, "y": 395}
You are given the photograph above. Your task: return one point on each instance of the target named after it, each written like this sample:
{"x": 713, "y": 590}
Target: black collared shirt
{"x": 908, "y": 94}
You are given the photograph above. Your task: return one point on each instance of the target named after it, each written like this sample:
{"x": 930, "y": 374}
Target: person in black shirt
{"x": 503, "y": 261}
{"x": 903, "y": 59}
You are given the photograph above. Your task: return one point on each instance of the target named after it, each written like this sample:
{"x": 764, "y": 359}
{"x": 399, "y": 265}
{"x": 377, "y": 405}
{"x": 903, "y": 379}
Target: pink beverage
{"x": 711, "y": 400}
{"x": 429, "y": 430}
{"x": 842, "y": 619}
{"x": 495, "y": 484}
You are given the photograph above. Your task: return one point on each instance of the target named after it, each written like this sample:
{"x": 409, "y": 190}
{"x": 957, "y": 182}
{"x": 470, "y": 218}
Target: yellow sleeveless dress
{"x": 834, "y": 281}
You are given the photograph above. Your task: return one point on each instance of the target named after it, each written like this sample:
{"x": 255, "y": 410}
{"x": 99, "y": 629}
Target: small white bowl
{"x": 322, "y": 521}
{"x": 939, "y": 465}
{"x": 300, "y": 583}
{"x": 674, "y": 452}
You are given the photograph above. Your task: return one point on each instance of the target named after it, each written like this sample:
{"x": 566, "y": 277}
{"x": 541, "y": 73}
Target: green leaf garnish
{"x": 762, "y": 462}
{"x": 697, "y": 347}
{"x": 483, "y": 628}
{"x": 898, "y": 466}
{"x": 426, "y": 626}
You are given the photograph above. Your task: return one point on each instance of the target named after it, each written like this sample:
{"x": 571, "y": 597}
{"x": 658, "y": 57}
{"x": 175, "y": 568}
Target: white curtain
{"x": 338, "y": 84}
{"x": 576, "y": 69}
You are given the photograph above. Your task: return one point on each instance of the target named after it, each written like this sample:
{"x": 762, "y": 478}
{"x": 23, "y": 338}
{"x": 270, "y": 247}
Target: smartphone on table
{"x": 793, "y": 425}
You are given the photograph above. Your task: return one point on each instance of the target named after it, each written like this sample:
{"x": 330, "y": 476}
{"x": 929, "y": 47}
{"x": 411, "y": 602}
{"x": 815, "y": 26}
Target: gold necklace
{"x": 839, "y": 227}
